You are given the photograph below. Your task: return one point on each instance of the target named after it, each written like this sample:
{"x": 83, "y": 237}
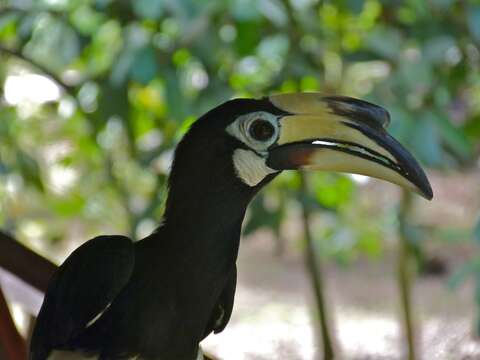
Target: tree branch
{"x": 314, "y": 268}
{"x": 405, "y": 274}
{"x": 27, "y": 265}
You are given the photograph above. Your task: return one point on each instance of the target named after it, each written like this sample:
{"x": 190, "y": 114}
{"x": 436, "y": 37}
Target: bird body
{"x": 159, "y": 297}
{"x": 169, "y": 313}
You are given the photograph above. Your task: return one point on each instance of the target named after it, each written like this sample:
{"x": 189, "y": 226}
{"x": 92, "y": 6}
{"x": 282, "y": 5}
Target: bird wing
{"x": 223, "y": 309}
{"x": 80, "y": 291}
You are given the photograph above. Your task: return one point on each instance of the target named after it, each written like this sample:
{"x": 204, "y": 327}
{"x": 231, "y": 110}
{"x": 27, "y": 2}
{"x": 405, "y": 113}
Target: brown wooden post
{"x": 11, "y": 342}
{"x": 34, "y": 270}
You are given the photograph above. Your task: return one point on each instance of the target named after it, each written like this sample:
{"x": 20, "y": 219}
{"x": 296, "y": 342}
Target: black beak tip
{"x": 426, "y": 191}
{"x": 420, "y": 180}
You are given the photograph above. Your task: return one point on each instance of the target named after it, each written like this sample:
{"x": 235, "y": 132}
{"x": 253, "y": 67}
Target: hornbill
{"x": 159, "y": 297}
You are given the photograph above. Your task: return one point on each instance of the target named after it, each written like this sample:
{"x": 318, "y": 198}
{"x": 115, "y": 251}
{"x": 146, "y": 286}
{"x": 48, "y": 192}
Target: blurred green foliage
{"x": 134, "y": 74}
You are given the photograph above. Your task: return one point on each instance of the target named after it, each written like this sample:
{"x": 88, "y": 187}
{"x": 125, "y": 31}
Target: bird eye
{"x": 261, "y": 130}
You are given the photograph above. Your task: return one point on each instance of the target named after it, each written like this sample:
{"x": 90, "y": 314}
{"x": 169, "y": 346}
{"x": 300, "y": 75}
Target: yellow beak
{"x": 345, "y": 135}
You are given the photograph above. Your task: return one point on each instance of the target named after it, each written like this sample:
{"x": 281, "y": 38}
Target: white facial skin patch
{"x": 250, "y": 167}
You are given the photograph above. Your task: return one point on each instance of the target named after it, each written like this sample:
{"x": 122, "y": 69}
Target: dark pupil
{"x": 261, "y": 130}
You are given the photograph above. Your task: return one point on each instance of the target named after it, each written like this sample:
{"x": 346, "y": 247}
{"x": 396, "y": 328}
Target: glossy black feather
{"x": 184, "y": 275}
{"x": 223, "y": 309}
{"x": 89, "y": 279}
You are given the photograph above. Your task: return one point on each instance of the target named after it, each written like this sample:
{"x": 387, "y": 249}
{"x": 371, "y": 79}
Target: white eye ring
{"x": 258, "y": 139}
{"x": 260, "y": 129}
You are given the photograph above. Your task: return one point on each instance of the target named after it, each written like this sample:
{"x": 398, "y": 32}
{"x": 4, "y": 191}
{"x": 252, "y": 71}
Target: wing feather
{"x": 223, "y": 309}
{"x": 81, "y": 289}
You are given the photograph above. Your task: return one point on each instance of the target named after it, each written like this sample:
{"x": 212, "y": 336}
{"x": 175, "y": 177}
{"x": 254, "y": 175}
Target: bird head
{"x": 247, "y": 142}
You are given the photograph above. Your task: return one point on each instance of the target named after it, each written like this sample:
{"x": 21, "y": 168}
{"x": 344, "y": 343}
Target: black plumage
{"x": 168, "y": 291}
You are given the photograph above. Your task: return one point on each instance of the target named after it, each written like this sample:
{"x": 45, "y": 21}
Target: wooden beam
{"x": 24, "y": 263}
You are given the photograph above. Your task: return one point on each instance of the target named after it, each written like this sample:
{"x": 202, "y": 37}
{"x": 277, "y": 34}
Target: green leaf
{"x": 402, "y": 124}
{"x": 477, "y": 288}
{"x": 67, "y": 206}
{"x": 261, "y": 215}
{"x": 426, "y": 143}
{"x": 8, "y": 25}
{"x": 122, "y": 67}
{"x": 370, "y": 243}
{"x": 273, "y": 11}
{"x": 473, "y": 21}
{"x": 355, "y": 6}
{"x": 247, "y": 37}
{"x": 53, "y": 43}
{"x": 452, "y": 136}
{"x": 245, "y": 10}
{"x": 3, "y": 168}
{"x": 461, "y": 274}
{"x": 332, "y": 190}
{"x": 415, "y": 74}
{"x": 472, "y": 128}
{"x": 148, "y": 9}
{"x": 177, "y": 107}
{"x": 86, "y": 20}
{"x": 437, "y": 47}
{"x": 476, "y": 231}
{"x": 442, "y": 4}
{"x": 29, "y": 169}
{"x": 385, "y": 41}
{"x": 182, "y": 130}
{"x": 144, "y": 67}
{"x": 113, "y": 101}
{"x": 104, "y": 48}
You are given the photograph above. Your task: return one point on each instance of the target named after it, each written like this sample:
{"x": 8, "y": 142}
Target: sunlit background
{"x": 96, "y": 93}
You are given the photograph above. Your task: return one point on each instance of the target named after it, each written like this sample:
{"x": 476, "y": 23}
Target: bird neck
{"x": 206, "y": 211}
{"x": 206, "y": 201}
{"x": 203, "y": 219}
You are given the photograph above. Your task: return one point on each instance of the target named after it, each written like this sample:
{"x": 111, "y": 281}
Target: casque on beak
{"x": 345, "y": 135}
